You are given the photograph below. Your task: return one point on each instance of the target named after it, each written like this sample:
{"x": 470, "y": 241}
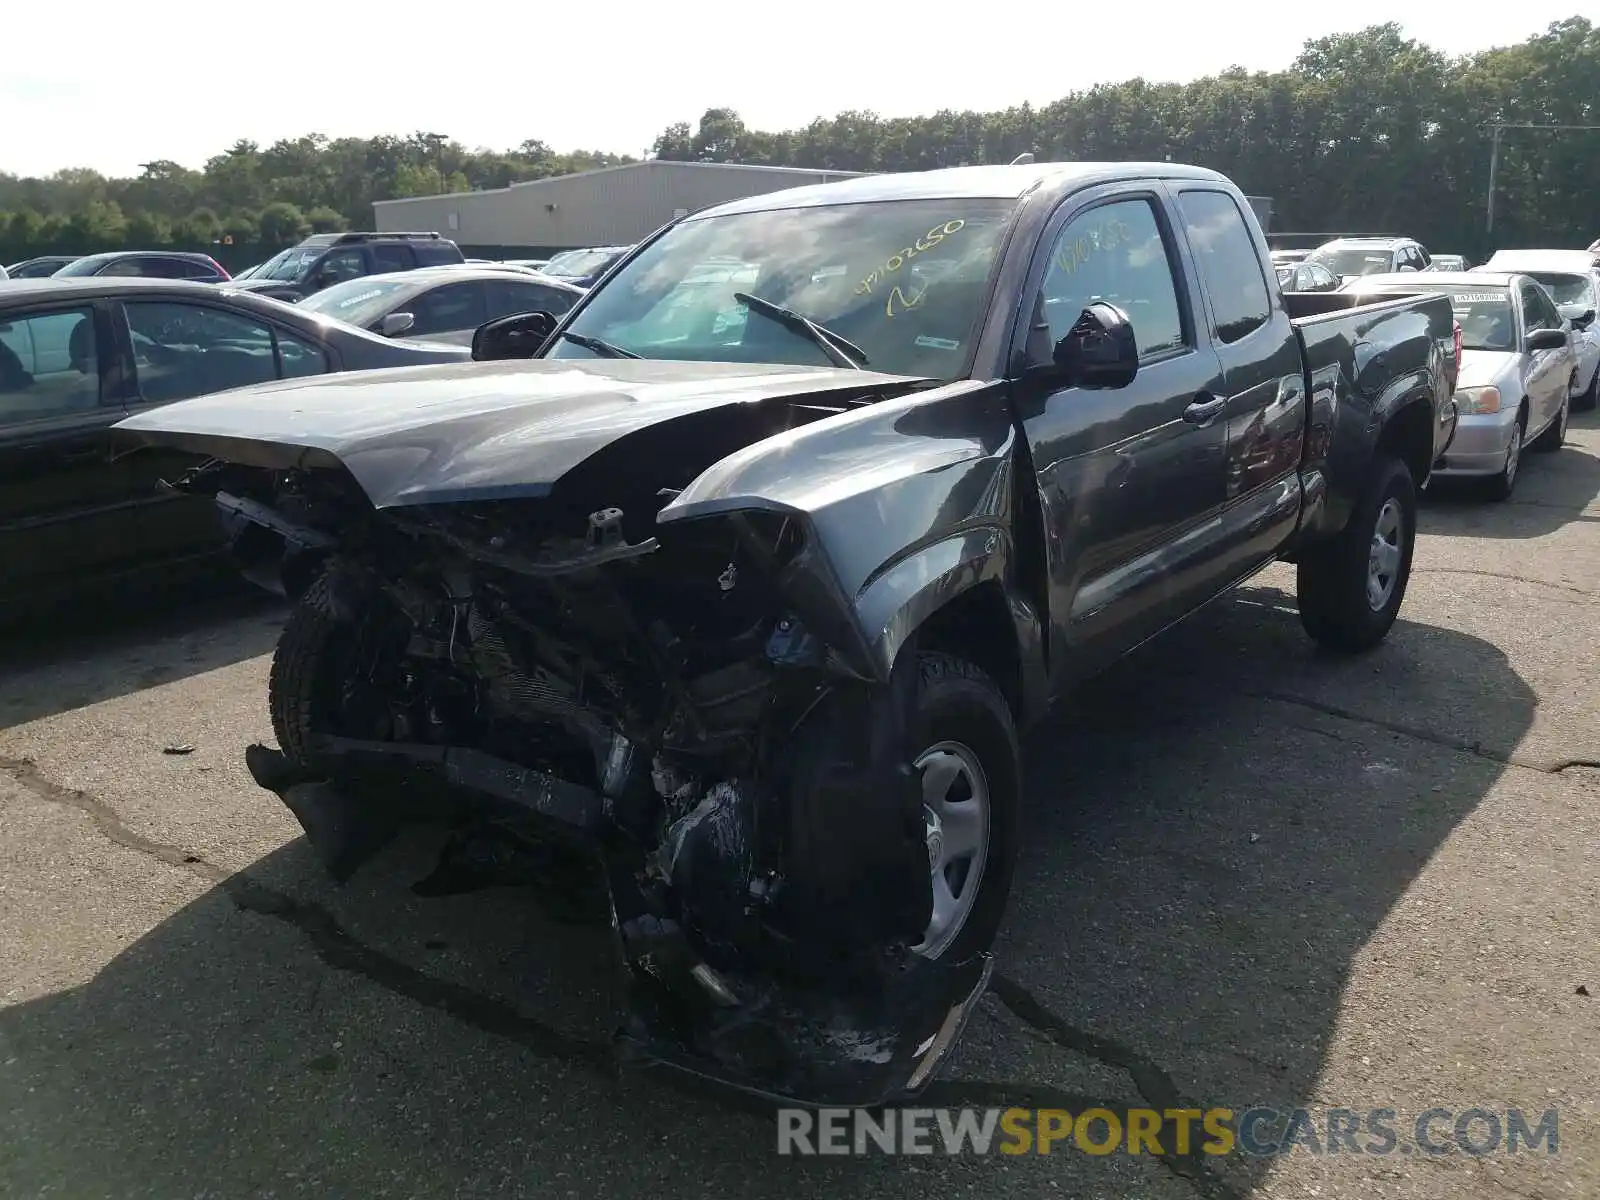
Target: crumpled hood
{"x": 469, "y": 431}
{"x": 1480, "y": 368}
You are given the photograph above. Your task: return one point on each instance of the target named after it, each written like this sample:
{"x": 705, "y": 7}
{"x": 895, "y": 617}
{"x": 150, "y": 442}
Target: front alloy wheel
{"x": 1504, "y": 482}
{"x": 955, "y": 812}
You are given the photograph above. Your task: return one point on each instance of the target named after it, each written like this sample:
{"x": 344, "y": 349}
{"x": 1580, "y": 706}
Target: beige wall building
{"x": 609, "y": 206}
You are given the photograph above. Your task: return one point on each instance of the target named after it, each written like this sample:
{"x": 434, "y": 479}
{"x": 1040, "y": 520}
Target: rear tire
{"x": 1350, "y": 588}
{"x": 1591, "y": 395}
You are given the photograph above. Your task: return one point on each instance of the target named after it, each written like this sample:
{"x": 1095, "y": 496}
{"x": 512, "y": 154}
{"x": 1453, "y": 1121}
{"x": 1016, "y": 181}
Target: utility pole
{"x": 1494, "y": 159}
{"x": 437, "y": 141}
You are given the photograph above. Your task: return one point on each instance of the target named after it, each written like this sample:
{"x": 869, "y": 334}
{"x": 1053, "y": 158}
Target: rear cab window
{"x": 1229, "y": 266}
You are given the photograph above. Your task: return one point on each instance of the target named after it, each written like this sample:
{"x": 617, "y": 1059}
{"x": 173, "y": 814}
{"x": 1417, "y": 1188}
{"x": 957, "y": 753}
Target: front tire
{"x": 1500, "y": 485}
{"x": 965, "y": 748}
{"x": 1350, "y": 588}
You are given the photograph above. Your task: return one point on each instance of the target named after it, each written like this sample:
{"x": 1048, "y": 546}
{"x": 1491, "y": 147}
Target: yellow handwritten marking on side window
{"x": 895, "y": 261}
{"x": 1071, "y": 255}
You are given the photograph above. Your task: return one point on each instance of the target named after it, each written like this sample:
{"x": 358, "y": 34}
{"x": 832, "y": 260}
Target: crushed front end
{"x": 683, "y": 707}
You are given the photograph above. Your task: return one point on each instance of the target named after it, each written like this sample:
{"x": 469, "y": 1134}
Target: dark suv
{"x": 325, "y": 259}
{"x": 146, "y": 264}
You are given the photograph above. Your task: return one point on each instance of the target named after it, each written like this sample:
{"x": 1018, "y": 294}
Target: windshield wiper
{"x": 601, "y": 347}
{"x": 841, "y": 350}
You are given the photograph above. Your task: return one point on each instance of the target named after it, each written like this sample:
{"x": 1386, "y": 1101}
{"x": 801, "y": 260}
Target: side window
{"x": 123, "y": 268}
{"x": 1424, "y": 259}
{"x": 1537, "y": 310}
{"x": 1322, "y": 277}
{"x": 391, "y": 256}
{"x": 1303, "y": 279}
{"x": 164, "y": 268}
{"x": 298, "y": 357}
{"x": 451, "y": 307}
{"x": 339, "y": 265}
{"x": 507, "y": 297}
{"x": 49, "y": 365}
{"x": 1114, "y": 252}
{"x": 1229, "y": 265}
{"x": 183, "y": 350}
{"x": 194, "y": 269}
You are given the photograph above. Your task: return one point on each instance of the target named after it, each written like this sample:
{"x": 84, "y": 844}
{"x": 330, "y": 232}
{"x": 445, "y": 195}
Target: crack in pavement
{"x": 1508, "y": 576}
{"x": 337, "y": 949}
{"x": 1416, "y": 732}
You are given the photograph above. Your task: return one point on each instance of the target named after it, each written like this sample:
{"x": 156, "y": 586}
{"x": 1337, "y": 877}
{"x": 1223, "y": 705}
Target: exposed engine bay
{"x": 538, "y": 673}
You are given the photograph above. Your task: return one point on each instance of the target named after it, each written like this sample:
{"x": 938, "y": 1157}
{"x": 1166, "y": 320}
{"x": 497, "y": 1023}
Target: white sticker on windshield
{"x": 1482, "y": 298}
{"x": 933, "y": 343}
{"x": 828, "y": 272}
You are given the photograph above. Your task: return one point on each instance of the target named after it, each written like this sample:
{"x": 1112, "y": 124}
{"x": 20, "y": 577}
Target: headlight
{"x": 1477, "y": 401}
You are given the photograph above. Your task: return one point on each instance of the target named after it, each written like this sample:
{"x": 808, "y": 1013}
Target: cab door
{"x": 66, "y": 507}
{"x": 1263, "y": 373}
{"x": 1131, "y": 478}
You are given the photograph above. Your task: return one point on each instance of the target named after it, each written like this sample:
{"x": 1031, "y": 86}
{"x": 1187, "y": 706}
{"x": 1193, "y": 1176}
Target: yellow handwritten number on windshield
{"x": 923, "y": 244}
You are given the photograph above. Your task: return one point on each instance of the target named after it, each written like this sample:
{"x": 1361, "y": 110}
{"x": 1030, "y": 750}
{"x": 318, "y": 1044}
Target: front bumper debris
{"x": 865, "y": 1043}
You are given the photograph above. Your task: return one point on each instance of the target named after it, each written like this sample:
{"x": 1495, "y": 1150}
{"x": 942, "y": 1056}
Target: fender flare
{"x": 897, "y": 604}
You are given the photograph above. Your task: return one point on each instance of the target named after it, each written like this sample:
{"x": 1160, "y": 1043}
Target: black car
{"x": 447, "y": 303}
{"x": 145, "y": 264}
{"x": 325, "y": 259}
{"x": 78, "y": 355}
{"x": 41, "y": 267}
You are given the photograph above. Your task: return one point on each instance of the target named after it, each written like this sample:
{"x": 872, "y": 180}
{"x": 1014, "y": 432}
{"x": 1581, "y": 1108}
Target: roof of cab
{"x": 950, "y": 183}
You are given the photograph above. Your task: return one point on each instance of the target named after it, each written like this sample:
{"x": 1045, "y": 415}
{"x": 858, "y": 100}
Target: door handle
{"x": 1205, "y": 408}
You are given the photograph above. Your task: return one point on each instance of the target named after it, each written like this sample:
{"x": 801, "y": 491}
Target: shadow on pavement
{"x": 53, "y": 662}
{"x": 1217, "y": 827}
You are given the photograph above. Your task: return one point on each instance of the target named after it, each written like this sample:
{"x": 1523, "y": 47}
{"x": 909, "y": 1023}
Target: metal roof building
{"x": 608, "y": 206}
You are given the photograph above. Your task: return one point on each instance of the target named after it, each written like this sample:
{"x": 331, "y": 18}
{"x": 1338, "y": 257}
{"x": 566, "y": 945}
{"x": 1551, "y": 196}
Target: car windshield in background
{"x": 1346, "y": 261}
{"x": 1567, "y": 289}
{"x": 577, "y": 263}
{"x": 90, "y": 265}
{"x": 356, "y": 301}
{"x": 1485, "y": 316}
{"x": 906, "y": 281}
{"x": 291, "y": 264}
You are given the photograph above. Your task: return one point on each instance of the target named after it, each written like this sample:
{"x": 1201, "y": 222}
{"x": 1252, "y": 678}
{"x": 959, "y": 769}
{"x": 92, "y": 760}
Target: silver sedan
{"x": 1517, "y": 370}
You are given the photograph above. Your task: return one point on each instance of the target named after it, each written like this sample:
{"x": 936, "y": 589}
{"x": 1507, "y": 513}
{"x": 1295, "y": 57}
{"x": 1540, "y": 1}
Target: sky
{"x": 204, "y": 75}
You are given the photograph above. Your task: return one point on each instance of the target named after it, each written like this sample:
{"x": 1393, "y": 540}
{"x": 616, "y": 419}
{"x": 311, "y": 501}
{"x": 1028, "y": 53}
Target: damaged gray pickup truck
{"x": 741, "y": 583}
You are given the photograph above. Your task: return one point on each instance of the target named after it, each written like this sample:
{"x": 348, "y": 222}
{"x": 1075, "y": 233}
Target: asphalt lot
{"x": 1255, "y": 876}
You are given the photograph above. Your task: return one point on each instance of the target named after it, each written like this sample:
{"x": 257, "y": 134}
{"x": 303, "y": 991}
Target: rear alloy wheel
{"x": 1501, "y": 485}
{"x": 1552, "y": 438}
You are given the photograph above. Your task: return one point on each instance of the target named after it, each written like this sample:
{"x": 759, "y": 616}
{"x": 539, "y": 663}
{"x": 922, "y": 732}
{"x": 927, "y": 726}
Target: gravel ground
{"x": 1254, "y": 876}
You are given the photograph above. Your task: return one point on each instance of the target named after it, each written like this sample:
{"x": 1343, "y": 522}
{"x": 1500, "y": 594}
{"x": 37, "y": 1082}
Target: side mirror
{"x": 1547, "y": 339}
{"x": 517, "y": 336}
{"x": 1582, "y": 320}
{"x": 1100, "y": 350}
{"x": 396, "y": 323}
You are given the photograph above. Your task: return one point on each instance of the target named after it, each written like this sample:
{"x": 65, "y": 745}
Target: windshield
{"x": 575, "y": 264}
{"x": 1567, "y": 289}
{"x": 84, "y": 266}
{"x": 356, "y": 301}
{"x": 1346, "y": 260}
{"x": 1485, "y": 316}
{"x": 290, "y": 264}
{"x": 906, "y": 281}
